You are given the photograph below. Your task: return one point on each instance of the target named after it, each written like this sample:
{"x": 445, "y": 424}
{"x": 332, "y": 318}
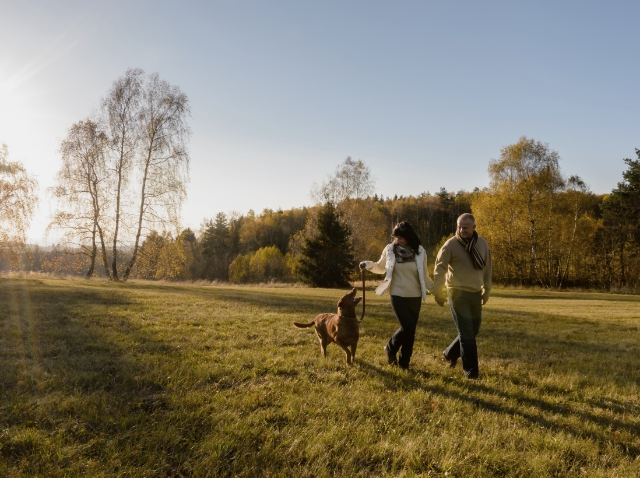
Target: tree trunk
{"x": 94, "y": 252}
{"x": 532, "y": 259}
{"x": 114, "y": 264}
{"x": 623, "y": 279}
{"x": 96, "y": 215}
{"x": 140, "y": 217}
{"x": 564, "y": 275}
{"x": 551, "y": 267}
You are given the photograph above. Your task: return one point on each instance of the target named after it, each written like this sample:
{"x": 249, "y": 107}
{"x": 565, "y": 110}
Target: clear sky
{"x": 424, "y": 92}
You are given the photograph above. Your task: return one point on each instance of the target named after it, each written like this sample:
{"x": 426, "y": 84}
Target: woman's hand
{"x": 363, "y": 265}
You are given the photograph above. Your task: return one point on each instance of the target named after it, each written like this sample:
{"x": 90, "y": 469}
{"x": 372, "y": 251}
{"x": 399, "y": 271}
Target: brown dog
{"x": 341, "y": 328}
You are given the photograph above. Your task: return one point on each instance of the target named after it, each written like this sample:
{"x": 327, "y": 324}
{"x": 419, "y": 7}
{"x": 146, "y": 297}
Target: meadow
{"x": 142, "y": 379}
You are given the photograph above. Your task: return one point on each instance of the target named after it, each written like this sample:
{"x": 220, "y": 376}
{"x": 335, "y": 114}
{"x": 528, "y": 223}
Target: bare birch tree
{"x": 163, "y": 157}
{"x": 126, "y": 173}
{"x": 81, "y": 191}
{"x": 351, "y": 180}
{"x": 121, "y": 117}
{"x": 18, "y": 200}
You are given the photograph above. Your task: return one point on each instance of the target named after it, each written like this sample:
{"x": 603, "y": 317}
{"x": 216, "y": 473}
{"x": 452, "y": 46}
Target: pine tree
{"x": 216, "y": 248}
{"x": 327, "y": 259}
{"x": 620, "y": 214}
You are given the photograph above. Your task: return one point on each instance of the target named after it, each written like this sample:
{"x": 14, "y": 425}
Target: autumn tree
{"x": 149, "y": 255}
{"x": 370, "y": 229}
{"x": 172, "y": 261}
{"x": 270, "y": 228}
{"x": 577, "y": 199}
{"x": 18, "y": 200}
{"x": 264, "y": 265}
{"x": 81, "y": 192}
{"x": 524, "y": 182}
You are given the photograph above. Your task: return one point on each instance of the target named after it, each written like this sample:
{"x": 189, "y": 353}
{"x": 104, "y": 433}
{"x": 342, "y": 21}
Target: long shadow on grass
{"x": 500, "y": 402}
{"x": 601, "y": 429}
{"x": 75, "y": 365}
{"x": 71, "y": 333}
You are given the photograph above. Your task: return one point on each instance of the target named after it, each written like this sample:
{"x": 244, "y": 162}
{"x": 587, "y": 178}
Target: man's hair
{"x": 467, "y": 217}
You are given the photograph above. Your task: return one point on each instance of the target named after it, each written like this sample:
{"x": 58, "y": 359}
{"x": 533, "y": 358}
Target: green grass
{"x": 143, "y": 379}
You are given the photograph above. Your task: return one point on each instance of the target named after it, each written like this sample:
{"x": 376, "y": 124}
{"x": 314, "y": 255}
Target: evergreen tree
{"x": 327, "y": 259}
{"x": 216, "y": 248}
{"x": 620, "y": 214}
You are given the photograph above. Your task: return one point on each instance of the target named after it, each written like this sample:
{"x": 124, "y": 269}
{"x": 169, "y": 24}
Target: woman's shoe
{"x": 452, "y": 363}
{"x": 391, "y": 358}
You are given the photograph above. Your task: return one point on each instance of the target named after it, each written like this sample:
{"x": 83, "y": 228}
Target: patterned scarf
{"x": 403, "y": 254}
{"x": 470, "y": 247}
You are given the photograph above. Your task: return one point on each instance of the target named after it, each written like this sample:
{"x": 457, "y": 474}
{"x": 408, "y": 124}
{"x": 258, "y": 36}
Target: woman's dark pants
{"x": 466, "y": 309}
{"x": 407, "y": 310}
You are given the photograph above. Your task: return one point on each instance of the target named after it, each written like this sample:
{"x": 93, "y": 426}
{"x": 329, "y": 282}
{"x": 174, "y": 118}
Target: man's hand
{"x": 440, "y": 298}
{"x": 363, "y": 265}
{"x": 485, "y": 298}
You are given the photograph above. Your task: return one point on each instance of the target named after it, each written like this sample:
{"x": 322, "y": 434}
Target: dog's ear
{"x": 357, "y": 300}
{"x": 340, "y": 302}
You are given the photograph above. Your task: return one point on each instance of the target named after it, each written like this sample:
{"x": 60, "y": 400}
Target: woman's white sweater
{"x": 386, "y": 265}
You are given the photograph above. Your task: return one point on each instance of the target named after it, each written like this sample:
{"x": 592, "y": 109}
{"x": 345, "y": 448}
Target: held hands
{"x": 440, "y": 298}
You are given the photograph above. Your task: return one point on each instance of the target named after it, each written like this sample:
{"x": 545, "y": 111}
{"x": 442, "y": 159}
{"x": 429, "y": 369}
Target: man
{"x": 464, "y": 266}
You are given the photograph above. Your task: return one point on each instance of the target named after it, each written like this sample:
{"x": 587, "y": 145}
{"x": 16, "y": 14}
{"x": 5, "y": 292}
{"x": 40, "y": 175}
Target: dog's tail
{"x": 304, "y": 326}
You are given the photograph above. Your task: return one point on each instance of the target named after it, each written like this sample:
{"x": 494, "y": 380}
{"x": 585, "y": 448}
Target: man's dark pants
{"x": 407, "y": 310}
{"x": 466, "y": 309}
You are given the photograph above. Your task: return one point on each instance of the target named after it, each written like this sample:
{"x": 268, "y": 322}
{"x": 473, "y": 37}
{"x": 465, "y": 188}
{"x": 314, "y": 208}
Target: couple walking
{"x": 462, "y": 272}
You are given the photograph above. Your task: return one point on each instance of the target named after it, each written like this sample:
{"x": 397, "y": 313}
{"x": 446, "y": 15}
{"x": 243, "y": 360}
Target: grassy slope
{"x": 139, "y": 379}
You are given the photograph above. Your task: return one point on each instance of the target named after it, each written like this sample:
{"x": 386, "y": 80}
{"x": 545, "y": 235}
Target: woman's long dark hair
{"x": 405, "y": 230}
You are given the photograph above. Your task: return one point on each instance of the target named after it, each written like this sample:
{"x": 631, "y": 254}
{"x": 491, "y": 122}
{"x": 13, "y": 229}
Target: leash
{"x": 363, "y": 303}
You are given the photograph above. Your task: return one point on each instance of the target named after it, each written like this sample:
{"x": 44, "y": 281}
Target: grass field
{"x": 144, "y": 379}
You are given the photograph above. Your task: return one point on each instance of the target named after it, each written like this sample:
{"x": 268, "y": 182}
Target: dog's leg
{"x": 323, "y": 343}
{"x": 323, "y": 347}
{"x": 353, "y": 351}
{"x": 346, "y": 350}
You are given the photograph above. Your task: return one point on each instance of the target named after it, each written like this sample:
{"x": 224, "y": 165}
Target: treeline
{"x": 544, "y": 228}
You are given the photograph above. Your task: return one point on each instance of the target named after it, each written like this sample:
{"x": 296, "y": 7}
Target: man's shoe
{"x": 452, "y": 363}
{"x": 391, "y": 358}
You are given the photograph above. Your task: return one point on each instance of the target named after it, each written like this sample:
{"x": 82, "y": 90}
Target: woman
{"x": 404, "y": 262}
